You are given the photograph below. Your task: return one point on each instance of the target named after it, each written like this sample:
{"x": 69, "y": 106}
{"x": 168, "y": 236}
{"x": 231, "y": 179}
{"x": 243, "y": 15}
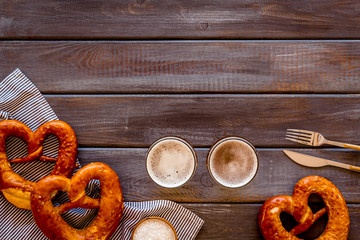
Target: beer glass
{"x": 171, "y": 162}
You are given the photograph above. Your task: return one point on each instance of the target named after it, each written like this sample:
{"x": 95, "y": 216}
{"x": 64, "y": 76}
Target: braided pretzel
{"x": 110, "y": 204}
{"x": 17, "y": 189}
{"x": 338, "y": 216}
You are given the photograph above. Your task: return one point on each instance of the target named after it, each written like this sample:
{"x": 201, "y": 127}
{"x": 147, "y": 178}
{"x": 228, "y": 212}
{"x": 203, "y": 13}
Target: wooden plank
{"x": 138, "y": 120}
{"x": 239, "y": 221}
{"x": 277, "y": 175}
{"x": 179, "y": 19}
{"x": 186, "y": 66}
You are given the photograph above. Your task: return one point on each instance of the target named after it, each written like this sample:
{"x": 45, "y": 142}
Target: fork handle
{"x": 344, "y": 145}
{"x": 352, "y": 146}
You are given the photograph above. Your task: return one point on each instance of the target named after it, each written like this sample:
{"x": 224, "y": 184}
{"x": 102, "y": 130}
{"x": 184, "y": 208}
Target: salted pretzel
{"x": 110, "y": 204}
{"x": 338, "y": 215}
{"x": 17, "y": 189}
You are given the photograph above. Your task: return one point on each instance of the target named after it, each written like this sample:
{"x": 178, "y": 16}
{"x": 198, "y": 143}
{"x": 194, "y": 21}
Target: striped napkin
{"x": 21, "y": 100}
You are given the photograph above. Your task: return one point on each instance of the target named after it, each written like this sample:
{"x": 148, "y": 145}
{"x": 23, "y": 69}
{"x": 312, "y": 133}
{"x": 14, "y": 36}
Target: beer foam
{"x": 170, "y": 163}
{"x": 233, "y": 163}
{"x": 153, "y": 229}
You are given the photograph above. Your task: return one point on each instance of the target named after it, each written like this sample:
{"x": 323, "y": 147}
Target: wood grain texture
{"x": 138, "y": 120}
{"x": 120, "y": 96}
{"x": 277, "y": 175}
{"x": 238, "y": 221}
{"x": 186, "y": 66}
{"x": 179, "y": 19}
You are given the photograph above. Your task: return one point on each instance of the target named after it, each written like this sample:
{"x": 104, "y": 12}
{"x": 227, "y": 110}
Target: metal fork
{"x": 314, "y": 139}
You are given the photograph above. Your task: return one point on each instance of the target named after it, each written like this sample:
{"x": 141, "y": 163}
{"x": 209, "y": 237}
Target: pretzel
{"x": 17, "y": 189}
{"x": 110, "y": 204}
{"x": 338, "y": 215}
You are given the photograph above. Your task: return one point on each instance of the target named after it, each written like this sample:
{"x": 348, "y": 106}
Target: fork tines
{"x": 299, "y": 136}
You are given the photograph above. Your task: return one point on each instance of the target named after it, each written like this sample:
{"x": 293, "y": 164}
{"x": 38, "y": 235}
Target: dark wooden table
{"x": 124, "y": 73}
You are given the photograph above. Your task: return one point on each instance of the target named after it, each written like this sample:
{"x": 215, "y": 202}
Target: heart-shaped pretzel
{"x": 17, "y": 189}
{"x": 110, "y": 204}
{"x": 338, "y": 215}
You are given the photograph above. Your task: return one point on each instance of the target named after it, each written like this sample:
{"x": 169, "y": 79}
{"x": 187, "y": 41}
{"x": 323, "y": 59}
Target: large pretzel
{"x": 110, "y": 204}
{"x": 17, "y": 189}
{"x": 338, "y": 215}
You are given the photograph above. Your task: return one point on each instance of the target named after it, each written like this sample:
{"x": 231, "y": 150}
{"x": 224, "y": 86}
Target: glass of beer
{"x": 232, "y": 162}
{"x": 171, "y": 162}
{"x": 154, "y": 228}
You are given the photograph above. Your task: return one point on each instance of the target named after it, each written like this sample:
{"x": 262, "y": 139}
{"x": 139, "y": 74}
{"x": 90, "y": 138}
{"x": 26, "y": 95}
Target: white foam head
{"x": 171, "y": 162}
{"x": 232, "y": 162}
{"x": 153, "y": 229}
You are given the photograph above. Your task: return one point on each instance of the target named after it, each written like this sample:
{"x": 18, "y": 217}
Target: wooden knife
{"x": 310, "y": 161}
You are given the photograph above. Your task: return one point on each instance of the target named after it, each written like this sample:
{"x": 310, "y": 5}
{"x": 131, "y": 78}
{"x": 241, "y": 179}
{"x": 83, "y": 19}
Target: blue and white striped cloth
{"x": 21, "y": 100}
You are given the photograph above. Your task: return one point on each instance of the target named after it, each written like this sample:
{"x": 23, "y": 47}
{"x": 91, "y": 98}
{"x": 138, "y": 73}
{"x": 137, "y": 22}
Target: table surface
{"x": 125, "y": 73}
